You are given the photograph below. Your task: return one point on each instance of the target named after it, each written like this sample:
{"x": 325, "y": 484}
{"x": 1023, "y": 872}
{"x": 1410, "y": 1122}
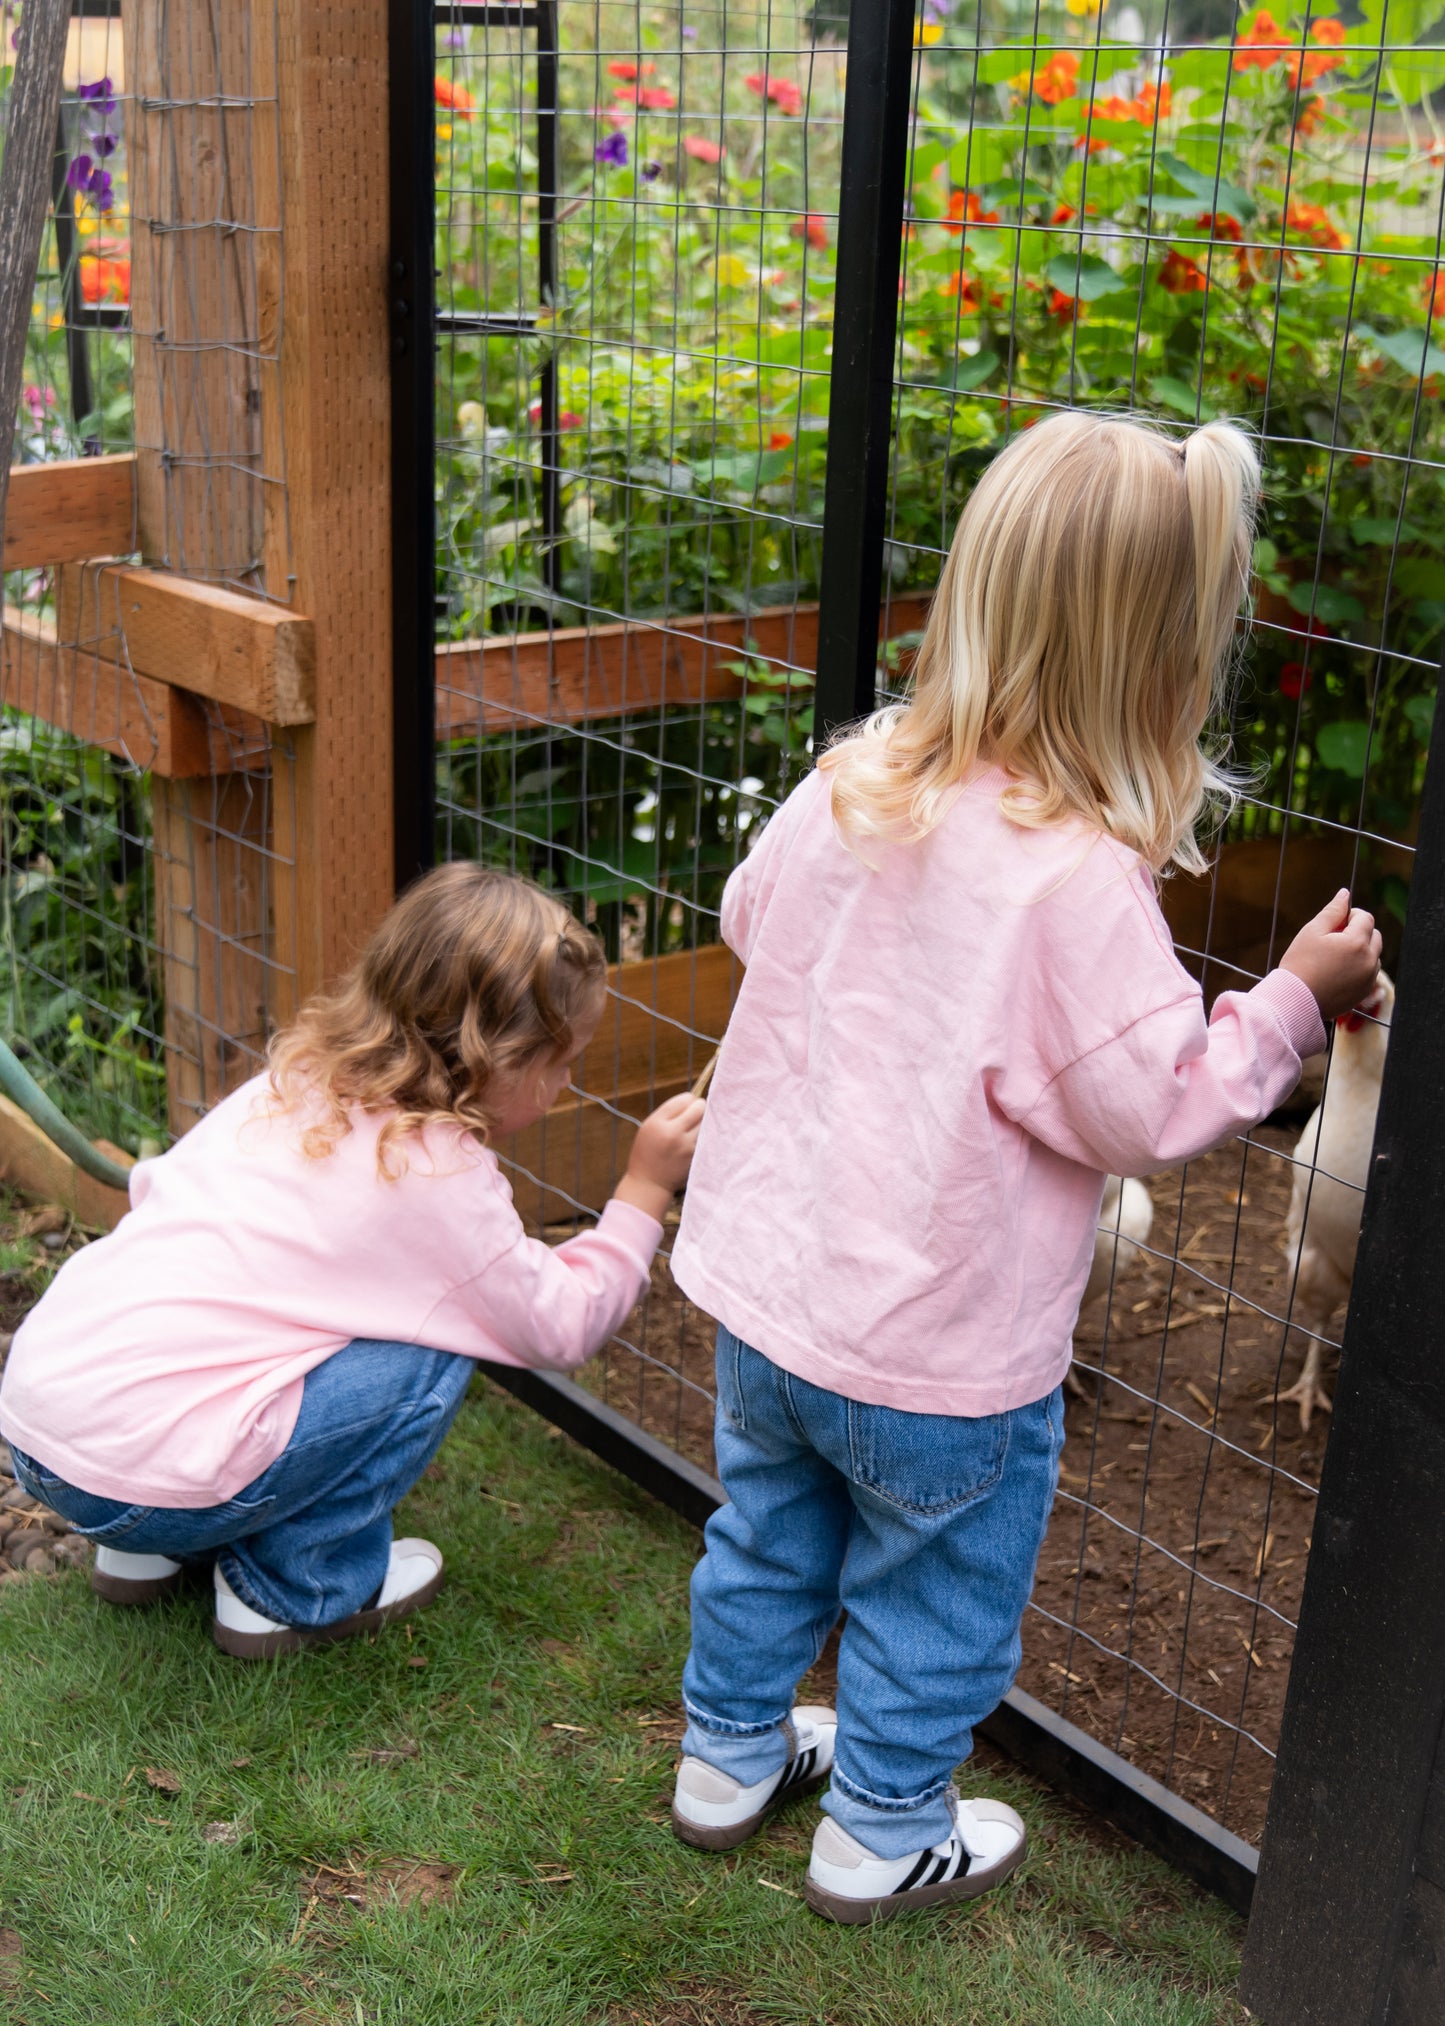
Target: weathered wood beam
{"x": 63, "y": 513}
{"x": 74, "y": 689}
{"x": 31, "y": 1162}
{"x": 578, "y": 673}
{"x": 221, "y": 644}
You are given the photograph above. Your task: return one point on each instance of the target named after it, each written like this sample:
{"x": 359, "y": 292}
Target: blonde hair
{"x": 473, "y": 974}
{"x": 1080, "y": 637}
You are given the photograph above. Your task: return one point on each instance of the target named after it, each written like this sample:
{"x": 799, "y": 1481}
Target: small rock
{"x": 75, "y": 1551}
{"x": 164, "y": 1782}
{"x": 17, "y": 1539}
{"x": 12, "y": 1576}
{"x": 16, "y": 1497}
{"x": 53, "y": 1523}
{"x": 52, "y": 1240}
{"x": 221, "y": 1832}
{"x": 39, "y": 1562}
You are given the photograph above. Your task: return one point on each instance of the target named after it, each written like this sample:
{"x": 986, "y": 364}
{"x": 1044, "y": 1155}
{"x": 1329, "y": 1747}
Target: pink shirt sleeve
{"x": 750, "y": 886}
{"x": 1172, "y": 1085}
{"x": 554, "y": 1306}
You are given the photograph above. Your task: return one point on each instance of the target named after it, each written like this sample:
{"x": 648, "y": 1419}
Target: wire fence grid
{"x": 144, "y": 836}
{"x": 1174, "y": 210}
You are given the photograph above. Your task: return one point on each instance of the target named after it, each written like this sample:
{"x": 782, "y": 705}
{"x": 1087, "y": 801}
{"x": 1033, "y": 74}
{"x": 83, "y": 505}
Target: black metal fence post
{"x": 1341, "y": 1902}
{"x": 412, "y": 287}
{"x": 872, "y": 189}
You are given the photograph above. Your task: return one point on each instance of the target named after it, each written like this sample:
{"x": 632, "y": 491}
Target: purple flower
{"x": 99, "y": 189}
{"x": 79, "y": 173}
{"x": 104, "y": 144}
{"x": 101, "y": 94}
{"x": 455, "y": 38}
{"x": 613, "y": 151}
{"x": 651, "y": 171}
{"x": 689, "y": 32}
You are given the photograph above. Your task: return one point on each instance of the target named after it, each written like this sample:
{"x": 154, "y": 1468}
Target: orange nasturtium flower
{"x": 1435, "y": 293}
{"x": 1314, "y": 64}
{"x": 104, "y": 280}
{"x": 1261, "y": 45}
{"x": 967, "y": 206}
{"x": 1314, "y": 223}
{"x": 629, "y": 72}
{"x": 1181, "y": 275}
{"x": 1219, "y": 225}
{"x": 1067, "y": 308}
{"x": 963, "y": 286}
{"x": 460, "y": 100}
{"x": 1054, "y": 82}
{"x": 1309, "y": 116}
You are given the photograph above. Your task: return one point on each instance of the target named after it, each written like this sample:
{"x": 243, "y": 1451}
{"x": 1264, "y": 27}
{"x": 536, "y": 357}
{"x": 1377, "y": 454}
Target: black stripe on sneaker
{"x": 800, "y": 1769}
{"x": 915, "y": 1877}
{"x": 957, "y": 1863}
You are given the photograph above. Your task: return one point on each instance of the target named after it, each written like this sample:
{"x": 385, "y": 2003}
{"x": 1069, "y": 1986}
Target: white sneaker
{"x": 847, "y": 1883}
{"x": 713, "y": 1811}
{"x": 413, "y": 1577}
{"x": 133, "y": 1579}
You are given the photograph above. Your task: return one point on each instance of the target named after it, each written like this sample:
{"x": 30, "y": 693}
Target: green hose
{"x": 17, "y": 1083}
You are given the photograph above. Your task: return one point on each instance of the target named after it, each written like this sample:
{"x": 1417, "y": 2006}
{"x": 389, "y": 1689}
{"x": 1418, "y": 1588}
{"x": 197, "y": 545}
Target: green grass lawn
{"x": 405, "y": 1834}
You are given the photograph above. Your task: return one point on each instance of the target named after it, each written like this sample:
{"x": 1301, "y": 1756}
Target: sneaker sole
{"x": 699, "y": 1836}
{"x": 837, "y": 1906}
{"x": 294, "y": 1638}
{"x": 126, "y": 1590}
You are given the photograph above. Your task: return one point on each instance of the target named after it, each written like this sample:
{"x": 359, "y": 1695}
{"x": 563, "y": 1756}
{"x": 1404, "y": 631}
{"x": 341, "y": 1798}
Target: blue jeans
{"x": 925, "y": 1528}
{"x": 308, "y": 1541}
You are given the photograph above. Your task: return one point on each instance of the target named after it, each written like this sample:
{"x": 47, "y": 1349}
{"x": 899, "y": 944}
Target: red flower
{"x": 1435, "y": 293}
{"x": 629, "y": 72}
{"x": 968, "y": 206}
{"x": 1294, "y": 680}
{"x": 780, "y": 440}
{"x": 104, "y": 280}
{"x": 1314, "y": 223}
{"x": 1062, "y": 214}
{"x": 1310, "y": 115}
{"x": 965, "y": 289}
{"x": 1261, "y": 46}
{"x": 701, "y": 150}
{"x": 784, "y": 94}
{"x": 1182, "y": 276}
{"x": 1219, "y": 225}
{"x": 813, "y": 228}
{"x": 1067, "y": 308}
{"x": 454, "y": 96}
{"x": 654, "y": 98}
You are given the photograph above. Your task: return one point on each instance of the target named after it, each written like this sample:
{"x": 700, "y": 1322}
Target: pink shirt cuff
{"x": 632, "y": 1229}
{"x": 1295, "y": 1010}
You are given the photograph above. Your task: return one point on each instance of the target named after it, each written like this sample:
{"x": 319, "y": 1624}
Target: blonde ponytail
{"x": 1080, "y": 636}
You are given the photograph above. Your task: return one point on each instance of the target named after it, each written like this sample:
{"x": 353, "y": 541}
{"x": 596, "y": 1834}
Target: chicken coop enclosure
{"x": 544, "y": 489}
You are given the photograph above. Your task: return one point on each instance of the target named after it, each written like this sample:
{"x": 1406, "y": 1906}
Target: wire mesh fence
{"x": 144, "y": 837}
{"x": 1158, "y": 208}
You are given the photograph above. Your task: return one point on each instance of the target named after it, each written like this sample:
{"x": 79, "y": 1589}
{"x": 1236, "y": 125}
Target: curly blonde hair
{"x": 1081, "y": 636}
{"x": 472, "y": 975}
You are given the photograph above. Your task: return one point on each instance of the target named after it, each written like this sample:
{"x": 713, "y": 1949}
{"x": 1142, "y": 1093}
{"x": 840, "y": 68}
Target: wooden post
{"x": 258, "y": 175}
{"x": 333, "y": 784}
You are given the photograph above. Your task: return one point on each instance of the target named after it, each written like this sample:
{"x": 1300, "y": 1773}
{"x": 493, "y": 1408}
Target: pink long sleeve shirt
{"x": 930, "y": 1068}
{"x": 164, "y": 1365}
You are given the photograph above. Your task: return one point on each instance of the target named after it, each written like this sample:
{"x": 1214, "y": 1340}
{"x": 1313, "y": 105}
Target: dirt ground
{"x": 1163, "y": 1615}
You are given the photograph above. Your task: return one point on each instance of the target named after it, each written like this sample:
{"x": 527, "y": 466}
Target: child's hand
{"x": 662, "y": 1154}
{"x": 1337, "y": 955}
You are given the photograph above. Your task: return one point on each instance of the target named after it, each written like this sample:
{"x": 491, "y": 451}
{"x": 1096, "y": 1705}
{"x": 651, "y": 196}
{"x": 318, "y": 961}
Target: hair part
{"x": 1081, "y": 637}
{"x": 472, "y": 975}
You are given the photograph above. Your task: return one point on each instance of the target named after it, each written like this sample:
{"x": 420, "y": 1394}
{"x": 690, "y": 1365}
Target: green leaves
{"x": 1085, "y": 277}
{"x": 1412, "y": 351}
{"x": 1214, "y": 190}
{"x": 1181, "y": 397}
{"x": 1326, "y": 602}
{"x": 1345, "y": 746}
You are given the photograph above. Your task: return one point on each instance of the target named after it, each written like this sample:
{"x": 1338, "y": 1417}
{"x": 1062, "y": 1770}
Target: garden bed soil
{"x": 1170, "y": 1581}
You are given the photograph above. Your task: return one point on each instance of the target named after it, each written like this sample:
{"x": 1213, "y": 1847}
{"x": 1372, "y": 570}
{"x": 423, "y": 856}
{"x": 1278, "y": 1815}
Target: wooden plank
{"x": 578, "y": 673}
{"x": 335, "y": 422}
{"x": 221, "y": 644}
{"x": 663, "y": 1019}
{"x": 34, "y": 1164}
{"x": 62, "y": 513}
{"x": 155, "y": 727}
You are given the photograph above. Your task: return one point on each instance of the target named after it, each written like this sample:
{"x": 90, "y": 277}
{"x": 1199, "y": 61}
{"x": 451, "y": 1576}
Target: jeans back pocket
{"x": 927, "y": 1464}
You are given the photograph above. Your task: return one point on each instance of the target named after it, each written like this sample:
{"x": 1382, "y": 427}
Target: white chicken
{"x": 1126, "y": 1216}
{"x": 1327, "y": 1195}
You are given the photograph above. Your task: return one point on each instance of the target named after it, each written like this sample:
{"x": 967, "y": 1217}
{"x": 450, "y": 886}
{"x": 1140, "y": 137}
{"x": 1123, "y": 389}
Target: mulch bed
{"x": 1169, "y": 1585}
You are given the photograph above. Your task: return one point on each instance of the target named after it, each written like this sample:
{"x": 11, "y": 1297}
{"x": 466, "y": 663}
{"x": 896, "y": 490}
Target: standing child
{"x": 266, "y": 1353}
{"x": 962, "y": 1009}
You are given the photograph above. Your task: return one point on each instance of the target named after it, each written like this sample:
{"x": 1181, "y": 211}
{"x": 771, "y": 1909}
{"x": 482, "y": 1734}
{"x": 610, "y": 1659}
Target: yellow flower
{"x": 445, "y": 133}
{"x": 929, "y": 32}
{"x": 85, "y": 226}
{"x": 732, "y": 272}
{"x": 55, "y": 321}
{"x": 1086, "y": 7}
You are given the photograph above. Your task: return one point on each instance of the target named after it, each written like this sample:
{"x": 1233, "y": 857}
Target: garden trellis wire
{"x": 1155, "y": 208}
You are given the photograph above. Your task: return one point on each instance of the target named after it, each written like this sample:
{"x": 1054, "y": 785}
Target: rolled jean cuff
{"x": 887, "y": 1826}
{"x": 748, "y": 1752}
